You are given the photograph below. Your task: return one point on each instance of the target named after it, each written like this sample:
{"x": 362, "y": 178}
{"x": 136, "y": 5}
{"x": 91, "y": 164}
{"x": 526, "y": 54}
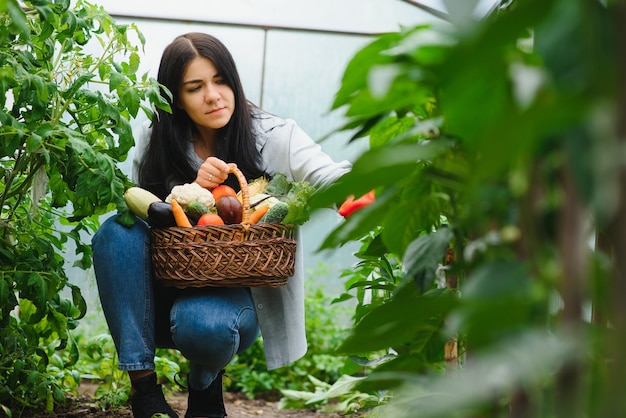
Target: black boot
{"x": 208, "y": 402}
{"x": 149, "y": 399}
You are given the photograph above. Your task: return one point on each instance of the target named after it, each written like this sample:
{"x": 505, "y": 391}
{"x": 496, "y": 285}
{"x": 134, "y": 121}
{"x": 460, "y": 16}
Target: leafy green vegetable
{"x": 278, "y": 185}
{"x": 296, "y": 194}
{"x": 298, "y": 201}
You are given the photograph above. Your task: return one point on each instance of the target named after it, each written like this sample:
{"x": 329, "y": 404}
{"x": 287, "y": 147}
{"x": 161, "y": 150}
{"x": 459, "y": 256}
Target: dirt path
{"x": 237, "y": 406}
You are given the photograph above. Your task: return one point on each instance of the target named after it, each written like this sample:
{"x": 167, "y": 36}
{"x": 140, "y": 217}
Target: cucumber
{"x": 276, "y": 213}
{"x": 195, "y": 210}
{"x": 138, "y": 201}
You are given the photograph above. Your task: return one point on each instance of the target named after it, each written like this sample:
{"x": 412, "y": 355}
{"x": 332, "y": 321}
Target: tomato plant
{"x": 68, "y": 90}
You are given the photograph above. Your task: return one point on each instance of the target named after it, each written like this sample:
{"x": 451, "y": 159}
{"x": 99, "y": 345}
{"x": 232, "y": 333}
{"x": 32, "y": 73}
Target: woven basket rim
{"x": 237, "y": 226}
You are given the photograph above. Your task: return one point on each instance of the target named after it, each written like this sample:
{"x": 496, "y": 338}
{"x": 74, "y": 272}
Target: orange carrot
{"x": 179, "y": 215}
{"x": 258, "y": 213}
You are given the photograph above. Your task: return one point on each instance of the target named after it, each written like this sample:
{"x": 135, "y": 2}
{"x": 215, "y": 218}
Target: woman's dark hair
{"x": 165, "y": 161}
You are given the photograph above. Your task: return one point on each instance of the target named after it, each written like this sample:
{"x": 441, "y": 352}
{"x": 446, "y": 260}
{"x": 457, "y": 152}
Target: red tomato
{"x": 210, "y": 219}
{"x": 223, "y": 190}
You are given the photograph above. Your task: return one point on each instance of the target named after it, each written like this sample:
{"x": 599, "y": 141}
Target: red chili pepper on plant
{"x": 351, "y": 205}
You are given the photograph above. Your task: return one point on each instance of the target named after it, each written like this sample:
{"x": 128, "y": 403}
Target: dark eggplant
{"x": 230, "y": 209}
{"x": 160, "y": 215}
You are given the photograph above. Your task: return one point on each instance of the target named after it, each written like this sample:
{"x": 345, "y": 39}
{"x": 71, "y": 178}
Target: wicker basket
{"x": 239, "y": 255}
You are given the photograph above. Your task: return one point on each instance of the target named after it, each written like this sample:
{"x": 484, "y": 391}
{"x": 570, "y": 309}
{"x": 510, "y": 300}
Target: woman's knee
{"x": 190, "y": 329}
{"x": 199, "y": 332}
{"x": 111, "y": 231}
{"x": 248, "y": 329}
{"x": 121, "y": 251}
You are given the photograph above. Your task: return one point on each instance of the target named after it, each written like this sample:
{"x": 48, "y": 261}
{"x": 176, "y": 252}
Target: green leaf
{"x": 423, "y": 256}
{"x": 400, "y": 320}
{"x": 132, "y": 100}
{"x": 40, "y": 87}
{"x": 44, "y": 10}
{"x": 160, "y": 101}
{"x": 18, "y": 18}
{"x": 61, "y": 6}
{"x": 389, "y": 129}
{"x": 126, "y": 138}
{"x": 416, "y": 219}
{"x": 33, "y": 299}
{"x": 116, "y": 80}
{"x": 355, "y": 75}
{"x": 33, "y": 142}
{"x": 134, "y": 62}
{"x": 385, "y": 166}
{"x": 498, "y": 299}
{"x": 79, "y": 301}
{"x": 76, "y": 85}
{"x": 68, "y": 23}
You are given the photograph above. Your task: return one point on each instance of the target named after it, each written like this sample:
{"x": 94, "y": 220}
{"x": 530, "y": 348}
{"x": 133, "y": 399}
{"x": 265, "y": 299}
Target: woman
{"x": 211, "y": 124}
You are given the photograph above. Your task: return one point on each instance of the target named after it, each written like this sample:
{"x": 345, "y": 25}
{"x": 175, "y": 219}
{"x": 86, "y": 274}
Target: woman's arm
{"x": 289, "y": 150}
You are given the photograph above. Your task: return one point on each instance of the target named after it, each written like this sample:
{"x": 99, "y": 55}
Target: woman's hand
{"x": 212, "y": 173}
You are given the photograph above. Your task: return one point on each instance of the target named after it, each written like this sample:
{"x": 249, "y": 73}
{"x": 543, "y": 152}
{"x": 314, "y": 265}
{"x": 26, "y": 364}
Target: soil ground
{"x": 237, "y": 406}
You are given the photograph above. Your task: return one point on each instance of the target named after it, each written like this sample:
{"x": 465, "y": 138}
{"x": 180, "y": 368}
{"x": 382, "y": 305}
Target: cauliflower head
{"x": 186, "y": 193}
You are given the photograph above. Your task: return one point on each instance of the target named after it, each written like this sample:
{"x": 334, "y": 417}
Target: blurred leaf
{"x": 18, "y": 22}
{"x": 399, "y": 321}
{"x": 528, "y": 360}
{"x": 379, "y": 167}
{"x": 498, "y": 300}
{"x": 355, "y": 75}
{"x": 424, "y": 255}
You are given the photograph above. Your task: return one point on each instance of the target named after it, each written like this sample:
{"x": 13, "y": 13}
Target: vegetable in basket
{"x": 276, "y": 213}
{"x": 139, "y": 200}
{"x": 179, "y": 215}
{"x": 187, "y": 193}
{"x": 296, "y": 194}
{"x": 195, "y": 210}
{"x": 160, "y": 215}
{"x": 261, "y": 210}
{"x": 229, "y": 209}
{"x": 255, "y": 187}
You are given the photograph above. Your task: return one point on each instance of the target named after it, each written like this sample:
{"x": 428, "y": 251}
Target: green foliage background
{"x": 495, "y": 155}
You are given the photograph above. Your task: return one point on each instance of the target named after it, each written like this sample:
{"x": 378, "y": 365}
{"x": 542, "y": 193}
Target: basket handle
{"x": 245, "y": 193}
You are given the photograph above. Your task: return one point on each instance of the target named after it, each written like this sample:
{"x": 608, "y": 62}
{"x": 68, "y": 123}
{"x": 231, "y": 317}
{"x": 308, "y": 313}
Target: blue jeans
{"x": 207, "y": 325}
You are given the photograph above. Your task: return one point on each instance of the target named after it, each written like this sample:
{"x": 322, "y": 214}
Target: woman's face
{"x": 205, "y": 96}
